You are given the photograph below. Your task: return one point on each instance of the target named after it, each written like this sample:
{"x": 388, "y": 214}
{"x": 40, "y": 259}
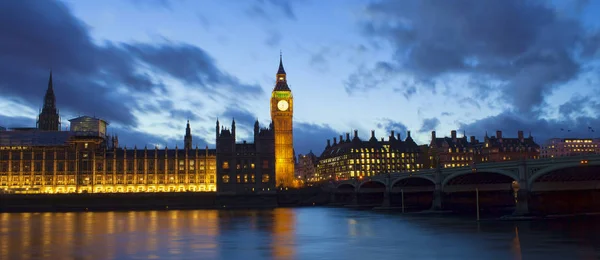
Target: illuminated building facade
{"x": 86, "y": 162}
{"x": 448, "y": 152}
{"x": 453, "y": 151}
{"x": 245, "y": 167}
{"x": 498, "y": 148}
{"x": 282, "y": 111}
{"x": 306, "y": 167}
{"x": 561, "y": 147}
{"x": 86, "y": 159}
{"x": 349, "y": 158}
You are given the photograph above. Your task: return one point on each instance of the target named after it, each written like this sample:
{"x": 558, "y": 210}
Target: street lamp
{"x": 515, "y": 186}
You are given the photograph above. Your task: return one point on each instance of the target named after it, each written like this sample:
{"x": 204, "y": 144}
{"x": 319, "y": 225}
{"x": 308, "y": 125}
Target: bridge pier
{"x": 332, "y": 197}
{"x": 386, "y": 199}
{"x": 355, "y": 198}
{"x": 522, "y": 203}
{"x": 437, "y": 200}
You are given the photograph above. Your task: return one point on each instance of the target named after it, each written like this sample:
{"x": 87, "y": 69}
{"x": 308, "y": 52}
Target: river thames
{"x": 299, "y": 233}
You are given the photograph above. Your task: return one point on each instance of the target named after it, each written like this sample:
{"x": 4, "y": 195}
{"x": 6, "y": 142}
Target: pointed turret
{"x": 48, "y": 119}
{"x": 187, "y": 140}
{"x": 280, "y": 70}
{"x": 281, "y": 84}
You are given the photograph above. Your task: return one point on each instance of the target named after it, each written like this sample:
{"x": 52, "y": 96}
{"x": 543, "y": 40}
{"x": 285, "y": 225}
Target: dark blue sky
{"x": 147, "y": 66}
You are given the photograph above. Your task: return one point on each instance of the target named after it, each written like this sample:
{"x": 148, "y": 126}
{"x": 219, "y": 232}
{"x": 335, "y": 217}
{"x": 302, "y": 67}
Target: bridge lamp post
{"x": 515, "y": 186}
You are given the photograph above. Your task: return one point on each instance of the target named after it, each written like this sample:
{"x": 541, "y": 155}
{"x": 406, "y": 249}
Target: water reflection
{"x": 312, "y": 233}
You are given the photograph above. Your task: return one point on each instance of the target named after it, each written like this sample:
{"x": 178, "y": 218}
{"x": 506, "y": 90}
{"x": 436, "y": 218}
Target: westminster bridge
{"x": 544, "y": 186}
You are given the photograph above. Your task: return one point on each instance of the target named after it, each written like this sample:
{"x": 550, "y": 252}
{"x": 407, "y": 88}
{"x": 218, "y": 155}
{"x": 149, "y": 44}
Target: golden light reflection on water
{"x": 516, "y": 245}
{"x": 284, "y": 225}
{"x": 107, "y": 235}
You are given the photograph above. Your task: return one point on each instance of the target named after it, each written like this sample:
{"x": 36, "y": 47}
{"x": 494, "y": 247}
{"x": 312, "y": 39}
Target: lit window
{"x": 225, "y": 178}
{"x": 225, "y": 165}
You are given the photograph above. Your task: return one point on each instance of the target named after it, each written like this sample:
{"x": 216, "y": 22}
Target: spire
{"x": 48, "y": 119}
{"x": 280, "y": 70}
{"x": 281, "y": 81}
{"x": 187, "y": 140}
{"x": 49, "y": 98}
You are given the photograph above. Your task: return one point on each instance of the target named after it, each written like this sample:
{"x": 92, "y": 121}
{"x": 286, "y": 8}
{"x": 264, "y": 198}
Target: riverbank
{"x": 158, "y": 201}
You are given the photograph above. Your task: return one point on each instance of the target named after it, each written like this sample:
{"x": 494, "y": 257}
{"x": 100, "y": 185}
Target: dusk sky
{"x": 147, "y": 66}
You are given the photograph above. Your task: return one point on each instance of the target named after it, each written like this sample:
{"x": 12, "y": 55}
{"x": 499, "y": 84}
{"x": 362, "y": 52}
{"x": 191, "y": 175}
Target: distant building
{"x": 245, "y": 167}
{"x": 88, "y": 126}
{"x": 356, "y": 158}
{"x": 86, "y": 160}
{"x": 2, "y": 128}
{"x": 561, "y": 147}
{"x": 498, "y": 148}
{"x": 451, "y": 151}
{"x": 306, "y": 167}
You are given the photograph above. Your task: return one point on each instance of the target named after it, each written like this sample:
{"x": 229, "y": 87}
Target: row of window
{"x": 245, "y": 178}
{"x": 72, "y": 180}
{"x": 245, "y": 165}
{"x": 85, "y": 165}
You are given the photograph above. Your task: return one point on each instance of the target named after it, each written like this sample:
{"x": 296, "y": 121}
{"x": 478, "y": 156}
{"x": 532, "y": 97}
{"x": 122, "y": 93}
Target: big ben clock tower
{"x": 282, "y": 110}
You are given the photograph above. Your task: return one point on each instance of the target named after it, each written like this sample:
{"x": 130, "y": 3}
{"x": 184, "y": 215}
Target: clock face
{"x": 283, "y": 105}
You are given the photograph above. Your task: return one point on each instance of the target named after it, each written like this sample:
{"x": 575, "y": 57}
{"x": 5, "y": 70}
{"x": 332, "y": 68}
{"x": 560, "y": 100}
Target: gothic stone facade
{"x": 245, "y": 167}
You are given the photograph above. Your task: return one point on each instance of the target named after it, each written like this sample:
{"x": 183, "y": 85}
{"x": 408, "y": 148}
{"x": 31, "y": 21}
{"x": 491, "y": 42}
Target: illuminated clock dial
{"x": 283, "y": 105}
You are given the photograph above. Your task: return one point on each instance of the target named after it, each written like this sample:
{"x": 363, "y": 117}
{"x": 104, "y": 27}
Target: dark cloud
{"x": 190, "y": 64}
{"x": 526, "y": 45}
{"x": 429, "y": 124}
{"x": 389, "y": 125}
{"x": 309, "y": 136}
{"x": 541, "y": 129}
{"x": 576, "y": 106}
{"x": 468, "y": 101}
{"x": 37, "y": 37}
{"x": 183, "y": 114}
{"x": 243, "y": 118}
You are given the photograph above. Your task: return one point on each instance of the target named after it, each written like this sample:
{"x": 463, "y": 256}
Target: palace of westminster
{"x": 85, "y": 159}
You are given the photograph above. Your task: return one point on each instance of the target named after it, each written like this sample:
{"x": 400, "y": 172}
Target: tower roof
{"x": 281, "y": 82}
{"x": 280, "y": 70}
{"x": 49, "y": 97}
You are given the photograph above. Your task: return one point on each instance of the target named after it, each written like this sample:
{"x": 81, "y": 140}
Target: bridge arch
{"x": 412, "y": 177}
{"x": 470, "y": 171}
{"x": 372, "y": 181}
{"x": 551, "y": 169}
{"x": 345, "y": 185}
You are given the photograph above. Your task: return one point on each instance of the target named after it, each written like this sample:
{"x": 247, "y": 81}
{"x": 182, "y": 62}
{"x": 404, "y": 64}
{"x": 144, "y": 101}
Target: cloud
{"x": 429, "y": 124}
{"x": 166, "y": 4}
{"x": 309, "y": 136}
{"x": 105, "y": 80}
{"x": 16, "y": 121}
{"x": 244, "y": 119}
{"x": 525, "y": 45}
{"x": 389, "y": 125}
{"x": 183, "y": 114}
{"x": 192, "y": 65}
{"x": 129, "y": 137}
{"x": 272, "y": 9}
{"x": 541, "y": 129}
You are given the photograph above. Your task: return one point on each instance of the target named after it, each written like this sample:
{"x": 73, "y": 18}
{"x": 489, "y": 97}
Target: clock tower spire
{"x": 281, "y": 114}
